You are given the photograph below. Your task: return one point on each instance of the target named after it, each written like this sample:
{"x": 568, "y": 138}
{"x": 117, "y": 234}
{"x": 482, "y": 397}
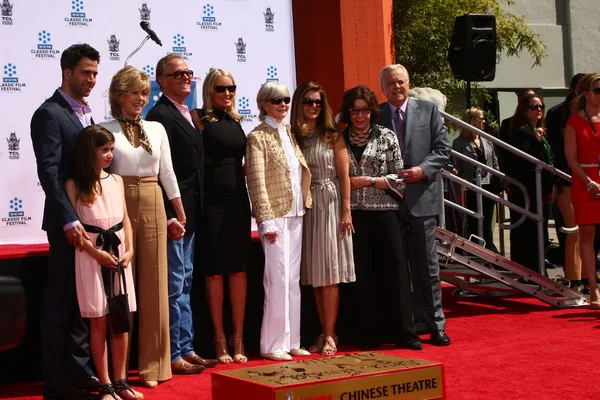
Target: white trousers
{"x": 280, "y": 331}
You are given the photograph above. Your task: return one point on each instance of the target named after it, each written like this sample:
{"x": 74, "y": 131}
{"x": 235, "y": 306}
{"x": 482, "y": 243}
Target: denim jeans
{"x": 181, "y": 266}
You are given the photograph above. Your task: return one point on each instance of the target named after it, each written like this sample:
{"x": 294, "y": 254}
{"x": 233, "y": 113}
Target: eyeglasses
{"x": 279, "y": 100}
{"x": 355, "y": 111}
{"x": 478, "y": 119}
{"x": 181, "y": 72}
{"x": 222, "y": 89}
{"x": 596, "y": 90}
{"x": 536, "y": 107}
{"x": 312, "y": 102}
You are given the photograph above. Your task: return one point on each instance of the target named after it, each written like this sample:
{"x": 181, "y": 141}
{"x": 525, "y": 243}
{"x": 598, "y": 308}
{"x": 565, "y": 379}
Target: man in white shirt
{"x": 187, "y": 153}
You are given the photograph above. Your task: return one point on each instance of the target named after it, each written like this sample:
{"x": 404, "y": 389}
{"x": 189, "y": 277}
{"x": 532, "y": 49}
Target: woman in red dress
{"x": 582, "y": 149}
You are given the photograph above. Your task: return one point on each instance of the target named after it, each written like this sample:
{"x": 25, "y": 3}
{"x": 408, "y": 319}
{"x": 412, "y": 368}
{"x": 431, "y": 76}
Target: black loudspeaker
{"x": 472, "y": 52}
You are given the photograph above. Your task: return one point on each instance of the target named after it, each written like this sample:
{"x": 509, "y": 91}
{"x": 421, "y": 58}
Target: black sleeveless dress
{"x": 226, "y": 217}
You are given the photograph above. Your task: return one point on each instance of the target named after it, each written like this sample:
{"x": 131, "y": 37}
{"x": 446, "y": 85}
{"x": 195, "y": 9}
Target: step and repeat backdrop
{"x": 253, "y": 39}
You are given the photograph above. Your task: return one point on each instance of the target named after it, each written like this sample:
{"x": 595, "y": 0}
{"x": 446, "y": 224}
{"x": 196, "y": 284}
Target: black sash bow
{"x": 107, "y": 239}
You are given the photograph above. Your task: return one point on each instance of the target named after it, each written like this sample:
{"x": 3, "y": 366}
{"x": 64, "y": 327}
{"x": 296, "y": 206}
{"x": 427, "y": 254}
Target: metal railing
{"x": 537, "y": 216}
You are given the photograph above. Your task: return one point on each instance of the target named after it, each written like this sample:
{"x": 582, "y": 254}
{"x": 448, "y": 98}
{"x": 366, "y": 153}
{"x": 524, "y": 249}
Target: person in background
{"x": 529, "y": 135}
{"x": 382, "y": 277}
{"x": 556, "y": 120}
{"x": 99, "y": 199}
{"x": 226, "y": 214}
{"x": 479, "y": 149}
{"x": 66, "y": 361}
{"x": 572, "y": 257}
{"x": 582, "y": 149}
{"x": 279, "y": 188}
{"x": 327, "y": 257}
{"x": 142, "y": 157}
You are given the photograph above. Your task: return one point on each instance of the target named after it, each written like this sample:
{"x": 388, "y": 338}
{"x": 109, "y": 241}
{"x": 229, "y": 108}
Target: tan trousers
{"x": 572, "y": 255}
{"x": 149, "y": 224}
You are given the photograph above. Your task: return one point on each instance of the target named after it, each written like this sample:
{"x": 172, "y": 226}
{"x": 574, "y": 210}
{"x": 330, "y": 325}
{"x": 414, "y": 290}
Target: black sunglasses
{"x": 222, "y": 89}
{"x": 181, "y": 72}
{"x": 596, "y": 90}
{"x": 279, "y": 100}
{"x": 536, "y": 107}
{"x": 312, "y": 102}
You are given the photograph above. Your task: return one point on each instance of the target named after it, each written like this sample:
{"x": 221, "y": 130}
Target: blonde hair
{"x": 128, "y": 79}
{"x": 266, "y": 92}
{"x": 469, "y": 115}
{"x": 208, "y": 94}
{"x": 585, "y": 85}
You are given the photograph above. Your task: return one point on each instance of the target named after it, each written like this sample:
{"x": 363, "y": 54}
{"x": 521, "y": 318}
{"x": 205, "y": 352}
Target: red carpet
{"x": 501, "y": 349}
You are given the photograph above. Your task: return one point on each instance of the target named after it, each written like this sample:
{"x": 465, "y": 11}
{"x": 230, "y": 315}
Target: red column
{"x": 343, "y": 43}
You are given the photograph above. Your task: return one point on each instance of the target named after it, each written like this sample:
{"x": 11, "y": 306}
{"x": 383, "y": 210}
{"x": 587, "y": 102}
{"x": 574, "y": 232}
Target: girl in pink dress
{"x": 99, "y": 201}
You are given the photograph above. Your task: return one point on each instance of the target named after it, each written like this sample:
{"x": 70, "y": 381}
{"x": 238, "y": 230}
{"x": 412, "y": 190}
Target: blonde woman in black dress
{"x": 226, "y": 211}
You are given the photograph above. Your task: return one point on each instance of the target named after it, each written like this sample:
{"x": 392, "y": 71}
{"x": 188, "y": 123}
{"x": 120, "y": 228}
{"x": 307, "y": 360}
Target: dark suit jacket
{"x": 187, "y": 153}
{"x": 54, "y": 128}
{"x": 426, "y": 145}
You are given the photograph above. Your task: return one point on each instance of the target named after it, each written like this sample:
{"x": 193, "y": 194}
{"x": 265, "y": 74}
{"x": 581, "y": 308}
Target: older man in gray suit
{"x": 425, "y": 149}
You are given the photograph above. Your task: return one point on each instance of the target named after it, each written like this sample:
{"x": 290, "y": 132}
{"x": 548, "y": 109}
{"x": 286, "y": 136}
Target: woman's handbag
{"x": 118, "y": 303}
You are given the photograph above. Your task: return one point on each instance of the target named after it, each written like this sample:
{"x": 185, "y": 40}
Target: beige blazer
{"x": 268, "y": 174}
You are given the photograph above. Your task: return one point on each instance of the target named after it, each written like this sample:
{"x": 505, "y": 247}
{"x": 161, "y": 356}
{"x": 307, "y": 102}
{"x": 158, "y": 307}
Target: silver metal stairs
{"x": 470, "y": 266}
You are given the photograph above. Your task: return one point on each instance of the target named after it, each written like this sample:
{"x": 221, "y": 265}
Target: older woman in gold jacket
{"x": 278, "y": 184}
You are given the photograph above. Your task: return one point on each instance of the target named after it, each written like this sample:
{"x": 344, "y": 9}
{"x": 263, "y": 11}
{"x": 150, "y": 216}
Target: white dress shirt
{"x": 135, "y": 161}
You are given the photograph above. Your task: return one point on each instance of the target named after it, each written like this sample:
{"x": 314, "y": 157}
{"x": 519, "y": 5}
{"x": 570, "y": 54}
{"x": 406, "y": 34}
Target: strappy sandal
{"x": 121, "y": 386}
{"x": 329, "y": 347}
{"x": 221, "y": 351}
{"x": 318, "y": 346}
{"x": 239, "y": 353}
{"x": 107, "y": 389}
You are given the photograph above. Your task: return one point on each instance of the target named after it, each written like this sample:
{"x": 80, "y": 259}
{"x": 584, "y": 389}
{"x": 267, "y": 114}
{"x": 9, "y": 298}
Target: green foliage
{"x": 423, "y": 29}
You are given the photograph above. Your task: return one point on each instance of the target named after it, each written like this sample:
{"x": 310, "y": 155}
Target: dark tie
{"x": 399, "y": 126}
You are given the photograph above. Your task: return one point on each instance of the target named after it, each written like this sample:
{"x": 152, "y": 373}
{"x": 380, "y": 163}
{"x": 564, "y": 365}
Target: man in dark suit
{"x": 425, "y": 149}
{"x": 55, "y": 125}
{"x": 187, "y": 153}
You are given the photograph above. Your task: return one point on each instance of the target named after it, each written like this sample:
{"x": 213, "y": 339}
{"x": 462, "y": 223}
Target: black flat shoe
{"x": 416, "y": 345}
{"x": 92, "y": 384}
{"x": 439, "y": 338}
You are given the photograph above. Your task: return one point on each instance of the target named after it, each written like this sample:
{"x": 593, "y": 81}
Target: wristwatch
{"x": 373, "y": 181}
{"x": 590, "y": 186}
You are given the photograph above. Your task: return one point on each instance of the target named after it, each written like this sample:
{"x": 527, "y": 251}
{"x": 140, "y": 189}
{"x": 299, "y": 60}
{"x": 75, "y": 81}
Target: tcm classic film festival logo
{"x": 44, "y": 49}
{"x": 10, "y": 80}
{"x": 113, "y": 48}
{"x": 16, "y": 215}
{"x": 269, "y": 20}
{"x": 13, "y": 146}
{"x": 77, "y": 17}
{"x": 240, "y": 47}
{"x": 209, "y": 21}
{"x": 179, "y": 47}
{"x": 245, "y": 111}
{"x": 6, "y": 10}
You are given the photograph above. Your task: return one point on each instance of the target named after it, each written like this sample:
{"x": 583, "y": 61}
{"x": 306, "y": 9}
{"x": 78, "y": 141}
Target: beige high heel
{"x": 221, "y": 351}
{"x": 239, "y": 353}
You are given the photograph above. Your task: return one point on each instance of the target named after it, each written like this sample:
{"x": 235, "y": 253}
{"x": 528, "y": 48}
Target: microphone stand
{"x": 137, "y": 49}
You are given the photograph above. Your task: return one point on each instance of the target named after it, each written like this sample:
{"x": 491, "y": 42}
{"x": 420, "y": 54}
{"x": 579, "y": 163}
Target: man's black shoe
{"x": 439, "y": 338}
{"x": 416, "y": 345}
{"x": 67, "y": 393}
{"x": 92, "y": 384}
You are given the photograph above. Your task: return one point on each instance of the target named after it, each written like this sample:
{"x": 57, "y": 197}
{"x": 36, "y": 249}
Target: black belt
{"x": 107, "y": 238}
